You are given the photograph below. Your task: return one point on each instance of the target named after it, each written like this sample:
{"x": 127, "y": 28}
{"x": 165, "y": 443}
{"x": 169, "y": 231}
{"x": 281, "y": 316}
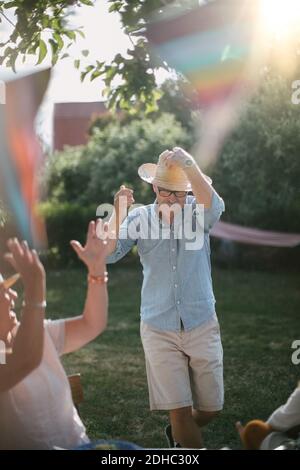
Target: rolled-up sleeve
{"x": 122, "y": 248}
{"x": 213, "y": 214}
{"x": 287, "y": 416}
{"x": 125, "y": 241}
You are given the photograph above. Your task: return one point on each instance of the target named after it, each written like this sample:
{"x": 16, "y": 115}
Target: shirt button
{"x": 173, "y": 249}
{"x": 174, "y": 267}
{"x": 178, "y": 302}
{"x": 175, "y": 285}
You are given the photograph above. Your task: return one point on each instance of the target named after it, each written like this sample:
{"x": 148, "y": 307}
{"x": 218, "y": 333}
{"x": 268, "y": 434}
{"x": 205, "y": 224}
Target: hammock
{"x": 253, "y": 236}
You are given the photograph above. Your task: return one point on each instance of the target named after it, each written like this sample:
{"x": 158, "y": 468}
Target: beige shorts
{"x": 184, "y": 368}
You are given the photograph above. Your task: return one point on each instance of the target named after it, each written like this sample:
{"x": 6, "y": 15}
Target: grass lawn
{"x": 259, "y": 317}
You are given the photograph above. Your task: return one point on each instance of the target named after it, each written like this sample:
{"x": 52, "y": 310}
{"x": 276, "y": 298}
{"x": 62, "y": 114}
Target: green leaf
{"x": 115, "y": 7}
{"x": 32, "y": 49}
{"x": 111, "y": 72}
{"x": 81, "y": 33}
{"x": 12, "y": 60}
{"x": 55, "y": 23}
{"x": 96, "y": 74}
{"x": 87, "y": 70}
{"x": 100, "y": 64}
{"x": 70, "y": 34}
{"x": 106, "y": 91}
{"x": 54, "y": 59}
{"x": 77, "y": 63}
{"x": 118, "y": 59}
{"x": 10, "y": 4}
{"x": 46, "y": 22}
{"x": 54, "y": 46}
{"x": 151, "y": 108}
{"x": 14, "y": 36}
{"x": 112, "y": 102}
{"x": 42, "y": 52}
{"x": 7, "y": 51}
{"x": 59, "y": 40}
{"x": 85, "y": 52}
{"x": 87, "y": 2}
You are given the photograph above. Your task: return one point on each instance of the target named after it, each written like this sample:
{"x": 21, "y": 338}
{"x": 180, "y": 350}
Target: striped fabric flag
{"x": 20, "y": 153}
{"x": 211, "y": 45}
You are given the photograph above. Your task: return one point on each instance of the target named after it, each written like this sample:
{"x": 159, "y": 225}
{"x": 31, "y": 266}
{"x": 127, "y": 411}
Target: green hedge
{"x": 258, "y": 172}
{"x": 93, "y": 173}
{"x": 65, "y": 222}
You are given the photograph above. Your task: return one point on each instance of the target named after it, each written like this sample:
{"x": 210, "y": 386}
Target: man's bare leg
{"x": 204, "y": 417}
{"x": 185, "y": 431}
{"x": 186, "y": 424}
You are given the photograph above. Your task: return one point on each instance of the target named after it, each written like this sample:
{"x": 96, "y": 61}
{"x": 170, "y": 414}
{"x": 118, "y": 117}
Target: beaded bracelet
{"x": 103, "y": 279}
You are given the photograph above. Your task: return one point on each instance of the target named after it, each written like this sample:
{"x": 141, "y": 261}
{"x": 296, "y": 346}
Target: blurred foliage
{"x": 42, "y": 26}
{"x": 65, "y": 222}
{"x": 258, "y": 172}
{"x": 173, "y": 101}
{"x": 79, "y": 179}
{"x": 39, "y": 27}
{"x": 93, "y": 173}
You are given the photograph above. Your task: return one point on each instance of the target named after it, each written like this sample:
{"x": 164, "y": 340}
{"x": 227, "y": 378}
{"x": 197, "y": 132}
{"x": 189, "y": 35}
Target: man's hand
{"x": 178, "y": 157}
{"x": 27, "y": 263}
{"x": 95, "y": 251}
{"x": 122, "y": 201}
{"x": 123, "y": 195}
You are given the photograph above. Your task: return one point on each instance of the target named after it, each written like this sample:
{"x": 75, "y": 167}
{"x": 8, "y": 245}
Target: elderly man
{"x": 179, "y": 328}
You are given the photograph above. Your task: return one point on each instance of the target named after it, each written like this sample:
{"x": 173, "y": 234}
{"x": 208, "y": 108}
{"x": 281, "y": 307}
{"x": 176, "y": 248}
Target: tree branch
{"x": 7, "y": 19}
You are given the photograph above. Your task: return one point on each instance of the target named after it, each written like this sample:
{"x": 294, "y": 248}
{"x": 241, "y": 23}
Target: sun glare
{"x": 280, "y": 17}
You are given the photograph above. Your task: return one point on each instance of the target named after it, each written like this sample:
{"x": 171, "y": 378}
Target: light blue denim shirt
{"x": 177, "y": 282}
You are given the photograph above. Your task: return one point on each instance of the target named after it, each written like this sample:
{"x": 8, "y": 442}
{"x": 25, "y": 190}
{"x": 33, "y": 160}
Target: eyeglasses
{"x": 166, "y": 193}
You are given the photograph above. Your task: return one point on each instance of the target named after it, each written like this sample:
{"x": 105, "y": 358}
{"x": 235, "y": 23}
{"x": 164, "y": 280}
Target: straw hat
{"x": 173, "y": 178}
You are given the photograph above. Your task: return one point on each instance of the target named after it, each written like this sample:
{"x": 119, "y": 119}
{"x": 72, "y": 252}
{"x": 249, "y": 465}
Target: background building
{"x": 72, "y": 121}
